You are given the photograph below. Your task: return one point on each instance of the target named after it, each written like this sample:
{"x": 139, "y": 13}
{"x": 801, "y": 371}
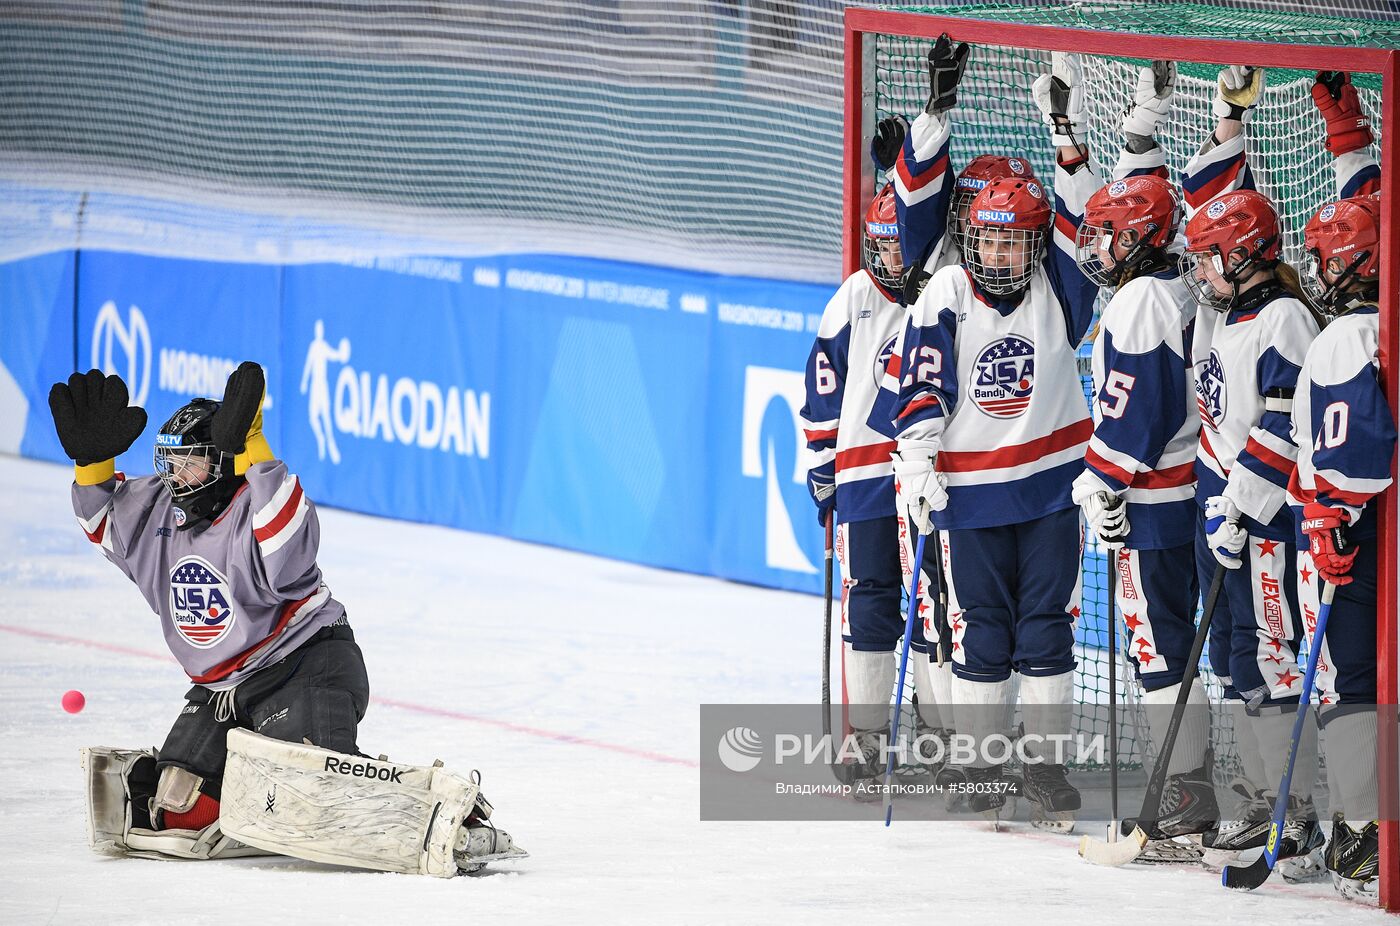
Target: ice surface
{"x": 573, "y": 683}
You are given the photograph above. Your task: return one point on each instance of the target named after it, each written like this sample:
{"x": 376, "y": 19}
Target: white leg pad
{"x": 118, "y": 821}
{"x": 325, "y": 806}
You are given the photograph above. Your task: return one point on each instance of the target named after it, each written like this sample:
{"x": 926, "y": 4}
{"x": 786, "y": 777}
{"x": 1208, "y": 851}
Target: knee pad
{"x": 122, "y": 785}
{"x": 343, "y": 809}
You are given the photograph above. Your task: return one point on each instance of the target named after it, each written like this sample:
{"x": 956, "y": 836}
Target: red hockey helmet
{"x": 880, "y": 241}
{"x": 1124, "y": 223}
{"x": 1008, "y": 225}
{"x": 980, "y": 171}
{"x": 1343, "y": 241}
{"x": 1229, "y": 239}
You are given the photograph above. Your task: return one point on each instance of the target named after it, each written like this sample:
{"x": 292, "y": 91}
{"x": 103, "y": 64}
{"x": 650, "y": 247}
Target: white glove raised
{"x": 1152, "y": 99}
{"x": 918, "y": 483}
{"x": 1237, "y": 90}
{"x": 1060, "y": 96}
{"x": 1104, "y": 511}
{"x": 1224, "y": 535}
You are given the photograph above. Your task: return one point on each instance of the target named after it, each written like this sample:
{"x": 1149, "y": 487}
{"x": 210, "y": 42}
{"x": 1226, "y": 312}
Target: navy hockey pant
{"x": 1346, "y": 672}
{"x": 872, "y": 579}
{"x": 1255, "y": 634}
{"x": 1010, "y": 596}
{"x": 1156, "y": 593}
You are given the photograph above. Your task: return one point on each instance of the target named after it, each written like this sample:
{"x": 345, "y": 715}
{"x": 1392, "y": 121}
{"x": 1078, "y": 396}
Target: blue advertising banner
{"x": 633, "y": 412}
{"x": 36, "y": 350}
{"x": 174, "y": 330}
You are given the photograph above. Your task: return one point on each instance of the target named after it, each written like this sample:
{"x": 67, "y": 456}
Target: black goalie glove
{"x": 946, "y": 62}
{"x": 888, "y": 141}
{"x": 243, "y": 398}
{"x": 93, "y": 417}
{"x": 915, "y": 279}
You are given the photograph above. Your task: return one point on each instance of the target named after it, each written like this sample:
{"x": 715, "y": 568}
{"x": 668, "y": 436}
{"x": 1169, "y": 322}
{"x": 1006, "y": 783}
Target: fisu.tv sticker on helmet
{"x": 201, "y": 606}
{"x": 1216, "y": 209}
{"x": 1003, "y": 377}
{"x": 1210, "y": 390}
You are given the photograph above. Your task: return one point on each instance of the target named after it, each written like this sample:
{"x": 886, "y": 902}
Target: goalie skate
{"x": 481, "y": 843}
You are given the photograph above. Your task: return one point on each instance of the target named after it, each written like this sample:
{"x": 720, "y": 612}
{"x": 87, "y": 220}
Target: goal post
{"x": 865, "y": 31}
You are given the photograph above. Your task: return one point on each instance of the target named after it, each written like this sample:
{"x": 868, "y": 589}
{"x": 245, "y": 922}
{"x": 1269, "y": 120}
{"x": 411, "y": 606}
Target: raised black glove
{"x": 93, "y": 417}
{"x": 946, "y": 62}
{"x": 915, "y": 279}
{"x": 243, "y": 398}
{"x": 888, "y": 141}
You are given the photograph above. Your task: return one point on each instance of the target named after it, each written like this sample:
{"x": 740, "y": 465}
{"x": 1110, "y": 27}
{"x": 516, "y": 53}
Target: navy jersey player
{"x": 992, "y": 432}
{"x": 222, "y": 545}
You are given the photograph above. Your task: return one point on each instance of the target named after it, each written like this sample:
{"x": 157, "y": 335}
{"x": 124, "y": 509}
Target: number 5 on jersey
{"x": 1113, "y": 398}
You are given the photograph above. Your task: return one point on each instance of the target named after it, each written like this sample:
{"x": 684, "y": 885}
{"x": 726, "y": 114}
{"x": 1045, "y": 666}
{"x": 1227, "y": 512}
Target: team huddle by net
{"x": 1231, "y": 456}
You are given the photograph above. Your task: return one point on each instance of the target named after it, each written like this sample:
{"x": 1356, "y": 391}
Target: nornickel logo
{"x": 363, "y": 770}
{"x": 740, "y": 749}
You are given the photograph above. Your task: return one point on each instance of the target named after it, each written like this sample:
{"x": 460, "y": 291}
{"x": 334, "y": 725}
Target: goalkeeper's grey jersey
{"x": 232, "y": 598}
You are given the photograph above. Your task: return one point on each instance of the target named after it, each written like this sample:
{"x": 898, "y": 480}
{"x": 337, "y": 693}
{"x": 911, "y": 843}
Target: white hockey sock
{"x": 1350, "y": 741}
{"x": 1247, "y": 746}
{"x": 1273, "y": 729}
{"x": 1194, "y": 735}
{"x": 934, "y": 684}
{"x": 869, "y": 684}
{"x": 978, "y": 711}
{"x": 1046, "y": 702}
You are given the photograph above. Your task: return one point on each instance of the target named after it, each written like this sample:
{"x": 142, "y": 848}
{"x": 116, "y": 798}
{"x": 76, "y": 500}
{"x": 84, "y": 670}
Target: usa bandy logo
{"x": 1210, "y": 390}
{"x": 882, "y": 359}
{"x": 1003, "y": 377}
{"x": 200, "y": 603}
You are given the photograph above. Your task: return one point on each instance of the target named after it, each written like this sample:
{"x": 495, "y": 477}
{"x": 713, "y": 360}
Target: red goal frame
{"x": 858, "y": 188}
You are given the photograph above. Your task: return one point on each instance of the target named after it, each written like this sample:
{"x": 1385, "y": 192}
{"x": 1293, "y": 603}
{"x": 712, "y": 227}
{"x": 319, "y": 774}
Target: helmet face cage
{"x": 1093, "y": 241}
{"x": 885, "y": 275}
{"x": 957, "y": 215}
{"x": 188, "y": 470}
{"x": 1002, "y": 260}
{"x": 1201, "y": 289}
{"x": 1325, "y": 296}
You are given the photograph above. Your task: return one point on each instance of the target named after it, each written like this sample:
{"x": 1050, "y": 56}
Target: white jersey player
{"x": 1137, "y": 490}
{"x": 849, "y": 434}
{"x": 992, "y": 432}
{"x": 1252, "y": 332}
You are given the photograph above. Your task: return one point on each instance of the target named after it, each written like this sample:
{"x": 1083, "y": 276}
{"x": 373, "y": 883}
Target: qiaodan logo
{"x": 740, "y": 749}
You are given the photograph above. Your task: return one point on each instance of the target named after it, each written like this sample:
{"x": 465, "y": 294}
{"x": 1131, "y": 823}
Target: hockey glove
{"x": 95, "y": 420}
{"x": 1332, "y": 554}
{"x": 1224, "y": 535}
{"x": 918, "y": 483}
{"x": 915, "y": 279}
{"x": 1104, "y": 511}
{"x": 1152, "y": 101}
{"x": 888, "y": 141}
{"x": 821, "y": 483}
{"x": 1060, "y": 96}
{"x": 1237, "y": 90}
{"x": 237, "y": 425}
{"x": 1348, "y": 129}
{"x": 946, "y": 63}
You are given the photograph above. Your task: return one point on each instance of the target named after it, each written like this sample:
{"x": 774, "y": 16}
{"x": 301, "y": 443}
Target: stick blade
{"x": 1247, "y": 877}
{"x": 1113, "y": 854}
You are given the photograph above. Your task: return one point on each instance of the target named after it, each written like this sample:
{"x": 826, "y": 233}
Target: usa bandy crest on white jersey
{"x": 1210, "y": 391}
{"x": 201, "y": 606}
{"x": 1003, "y": 377}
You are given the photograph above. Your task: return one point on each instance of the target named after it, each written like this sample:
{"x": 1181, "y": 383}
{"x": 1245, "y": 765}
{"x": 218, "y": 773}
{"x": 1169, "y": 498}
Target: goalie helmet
{"x": 1126, "y": 224}
{"x": 198, "y": 475}
{"x": 880, "y": 241}
{"x": 1008, "y": 224}
{"x": 979, "y": 172}
{"x": 1343, "y": 241}
{"x": 1231, "y": 238}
